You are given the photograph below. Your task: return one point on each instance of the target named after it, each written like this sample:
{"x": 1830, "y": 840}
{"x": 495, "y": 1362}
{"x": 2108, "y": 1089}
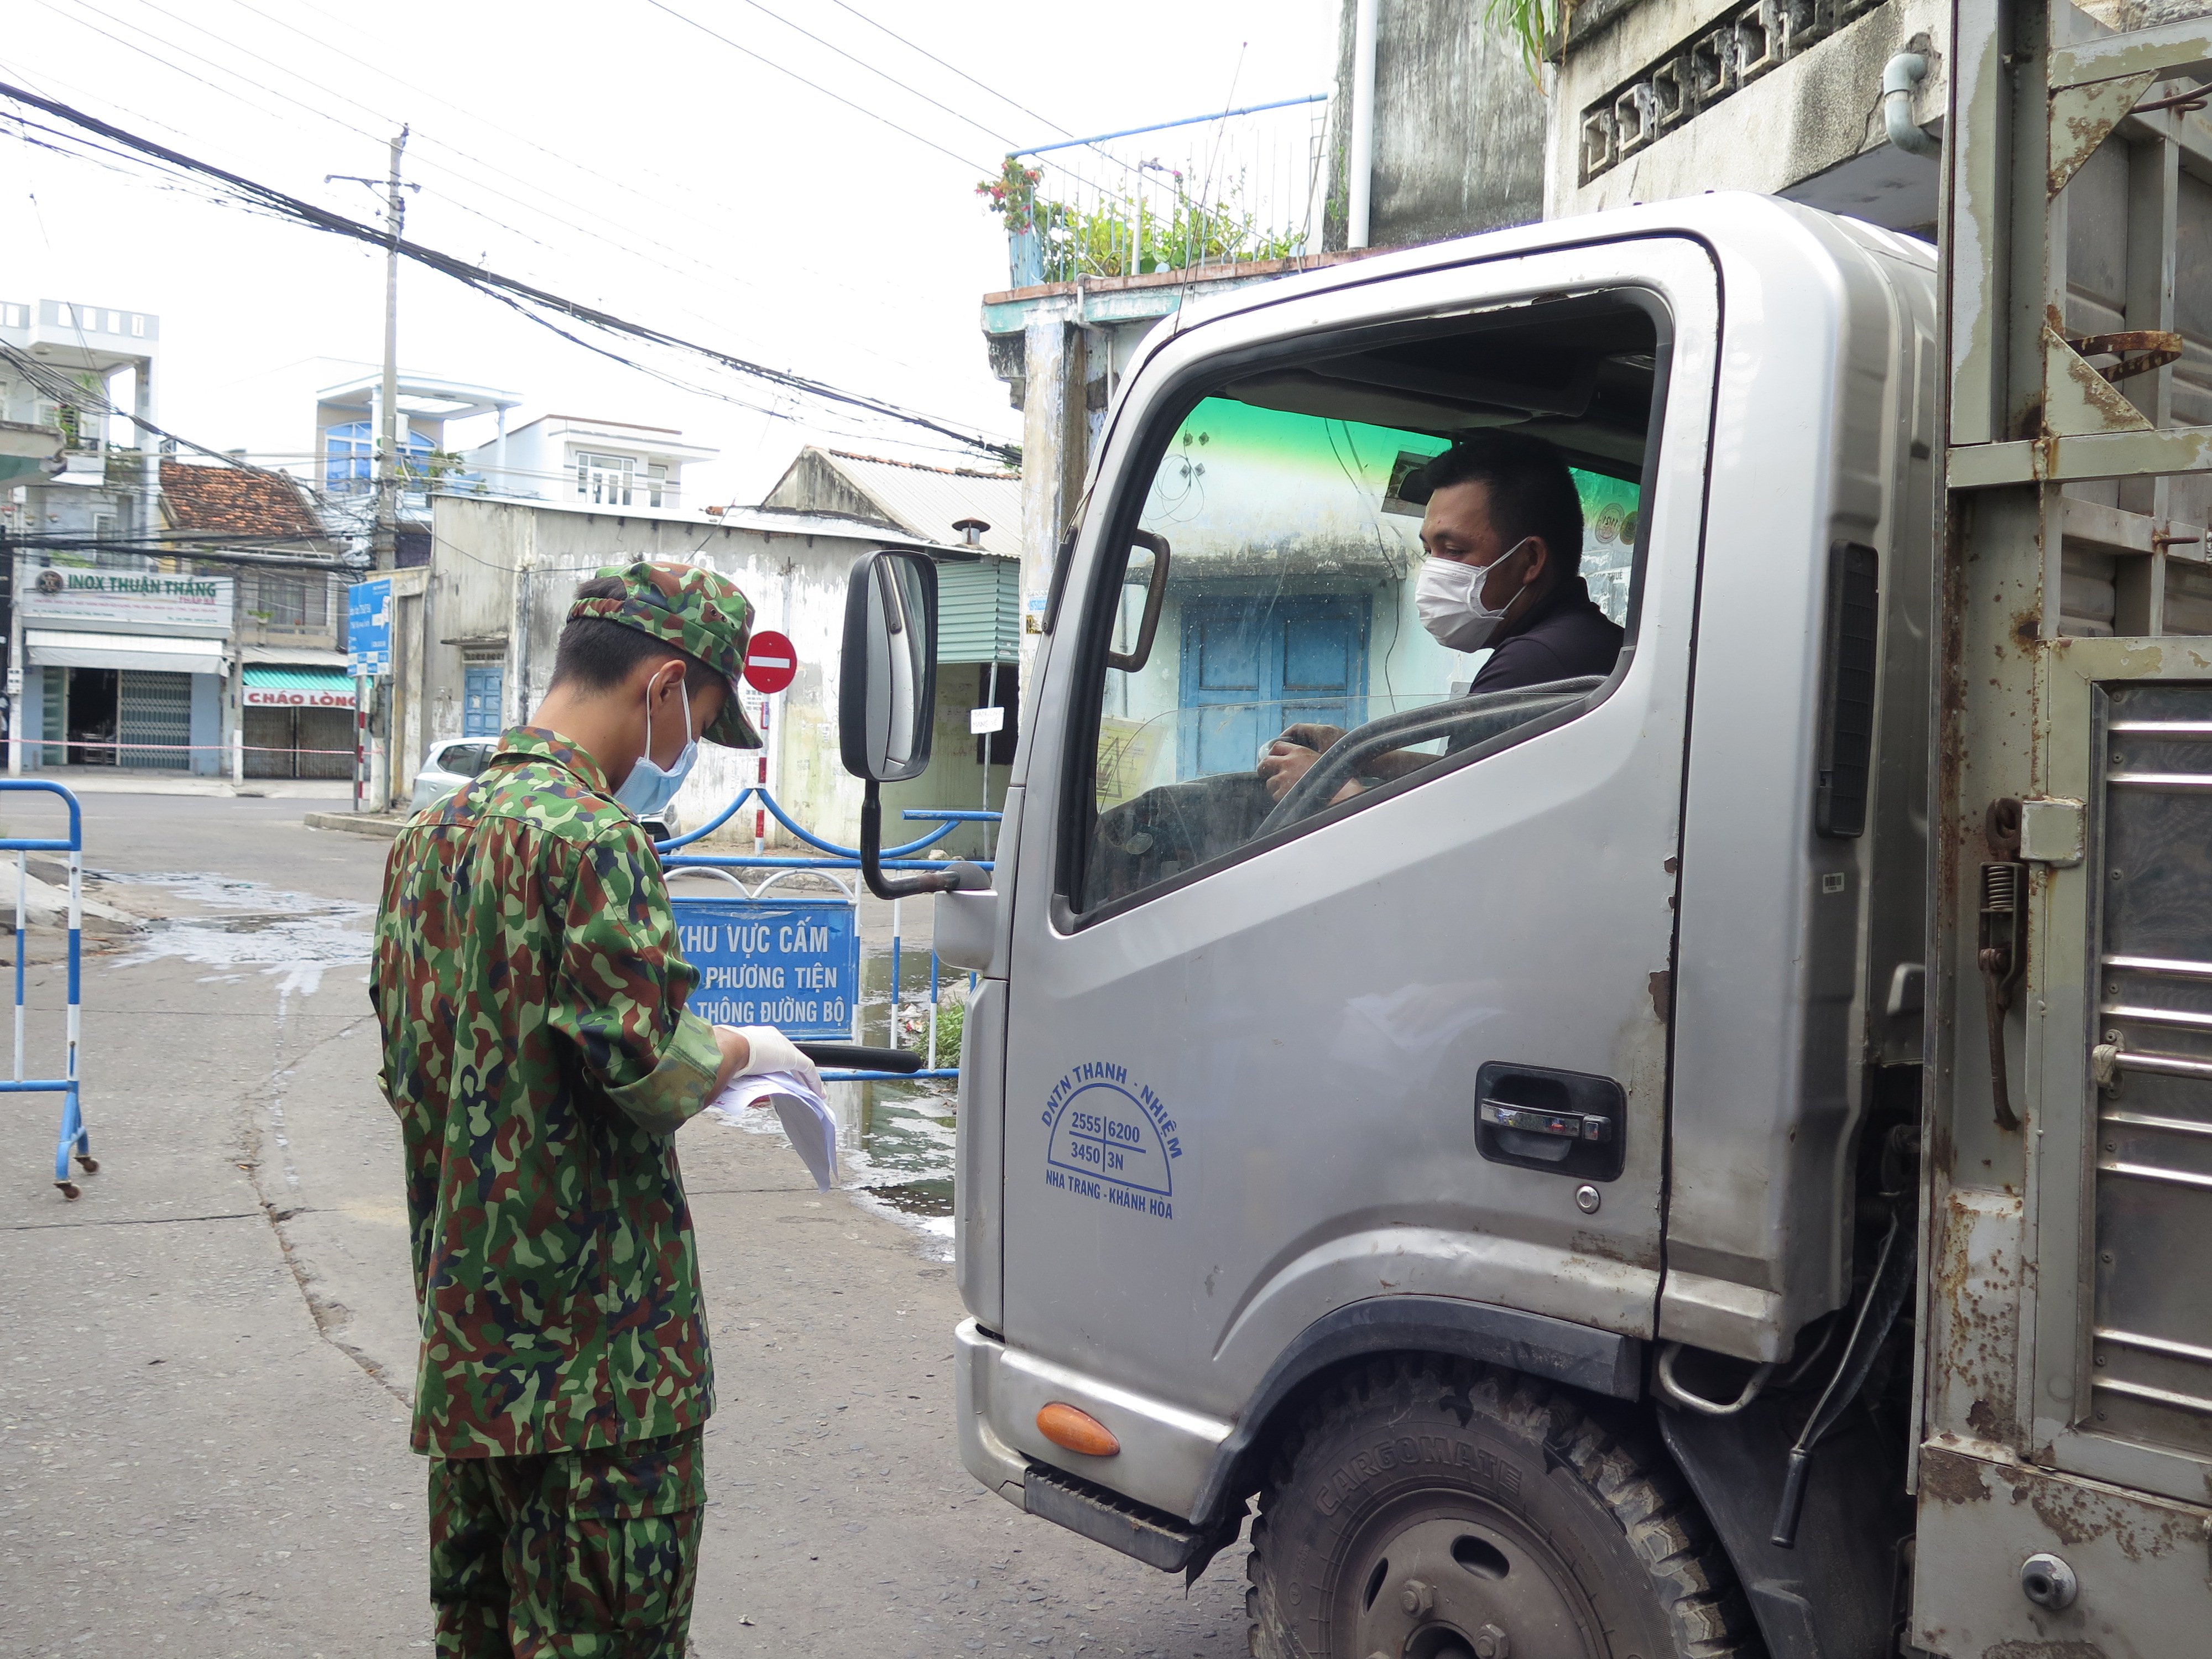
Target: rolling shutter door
{"x": 155, "y": 709}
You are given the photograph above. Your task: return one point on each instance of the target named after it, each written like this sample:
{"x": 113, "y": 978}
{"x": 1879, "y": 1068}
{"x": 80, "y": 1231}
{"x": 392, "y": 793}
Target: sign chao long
{"x": 287, "y": 696}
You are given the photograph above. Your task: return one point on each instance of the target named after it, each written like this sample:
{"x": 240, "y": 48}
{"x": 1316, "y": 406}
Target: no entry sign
{"x": 771, "y": 662}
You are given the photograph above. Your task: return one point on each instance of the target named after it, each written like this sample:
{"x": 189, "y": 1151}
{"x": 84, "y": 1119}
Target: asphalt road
{"x": 204, "y": 1361}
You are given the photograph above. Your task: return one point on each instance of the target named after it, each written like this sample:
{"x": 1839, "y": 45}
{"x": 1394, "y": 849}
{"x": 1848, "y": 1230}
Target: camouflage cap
{"x": 697, "y": 611}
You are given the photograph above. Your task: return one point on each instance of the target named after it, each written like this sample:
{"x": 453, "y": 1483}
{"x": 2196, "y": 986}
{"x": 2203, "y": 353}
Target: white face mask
{"x": 1449, "y": 597}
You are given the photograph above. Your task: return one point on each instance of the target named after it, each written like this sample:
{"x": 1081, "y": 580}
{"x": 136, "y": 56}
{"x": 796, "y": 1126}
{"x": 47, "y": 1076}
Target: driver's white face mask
{"x": 1449, "y": 597}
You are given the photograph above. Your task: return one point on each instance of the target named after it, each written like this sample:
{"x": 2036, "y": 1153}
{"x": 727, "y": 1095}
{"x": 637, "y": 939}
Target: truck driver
{"x": 1504, "y": 534}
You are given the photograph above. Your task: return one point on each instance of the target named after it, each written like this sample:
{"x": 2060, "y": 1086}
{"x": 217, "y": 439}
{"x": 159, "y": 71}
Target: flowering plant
{"x": 1012, "y": 194}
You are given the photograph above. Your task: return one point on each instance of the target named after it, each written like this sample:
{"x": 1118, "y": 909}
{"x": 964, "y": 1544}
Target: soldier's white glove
{"x": 772, "y": 1051}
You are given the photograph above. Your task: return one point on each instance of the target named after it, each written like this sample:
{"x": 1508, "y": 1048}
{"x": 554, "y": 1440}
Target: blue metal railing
{"x": 74, "y": 1141}
{"x": 843, "y": 857}
{"x": 1223, "y": 188}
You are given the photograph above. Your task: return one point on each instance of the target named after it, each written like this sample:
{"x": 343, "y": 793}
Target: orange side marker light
{"x": 1079, "y": 1431}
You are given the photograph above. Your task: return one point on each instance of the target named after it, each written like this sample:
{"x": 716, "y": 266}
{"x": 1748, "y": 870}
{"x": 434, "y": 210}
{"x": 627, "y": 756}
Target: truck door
{"x": 1405, "y": 1030}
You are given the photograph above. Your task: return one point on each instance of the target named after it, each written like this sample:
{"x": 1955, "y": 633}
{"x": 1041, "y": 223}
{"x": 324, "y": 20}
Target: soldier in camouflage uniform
{"x": 540, "y": 1058}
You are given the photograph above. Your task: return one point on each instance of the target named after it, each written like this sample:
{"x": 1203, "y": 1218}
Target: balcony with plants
{"x": 1239, "y": 188}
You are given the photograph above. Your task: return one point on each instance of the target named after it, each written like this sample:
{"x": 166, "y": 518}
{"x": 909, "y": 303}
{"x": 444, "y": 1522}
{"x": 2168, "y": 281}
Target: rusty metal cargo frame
{"x": 2016, "y": 699}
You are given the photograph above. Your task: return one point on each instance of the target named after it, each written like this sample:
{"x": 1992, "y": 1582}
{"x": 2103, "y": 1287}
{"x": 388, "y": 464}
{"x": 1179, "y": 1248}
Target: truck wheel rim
{"x": 1443, "y": 1576}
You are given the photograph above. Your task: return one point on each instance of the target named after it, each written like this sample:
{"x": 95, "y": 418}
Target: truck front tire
{"x": 1436, "y": 1508}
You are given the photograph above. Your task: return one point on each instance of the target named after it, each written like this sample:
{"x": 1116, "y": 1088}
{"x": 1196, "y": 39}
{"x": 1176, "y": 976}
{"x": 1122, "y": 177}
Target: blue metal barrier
{"x": 836, "y": 858}
{"x": 74, "y": 1139}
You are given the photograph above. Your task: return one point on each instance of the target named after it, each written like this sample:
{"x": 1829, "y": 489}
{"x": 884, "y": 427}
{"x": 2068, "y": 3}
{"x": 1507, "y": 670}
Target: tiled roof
{"x": 234, "y": 501}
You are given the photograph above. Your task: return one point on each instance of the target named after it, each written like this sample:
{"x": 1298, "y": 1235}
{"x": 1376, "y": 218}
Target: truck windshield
{"x": 1272, "y": 600}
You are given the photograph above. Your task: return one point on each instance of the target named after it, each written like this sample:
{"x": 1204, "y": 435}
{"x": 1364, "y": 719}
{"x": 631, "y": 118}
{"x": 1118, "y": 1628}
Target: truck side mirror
{"x": 887, "y": 701}
{"x": 887, "y": 697}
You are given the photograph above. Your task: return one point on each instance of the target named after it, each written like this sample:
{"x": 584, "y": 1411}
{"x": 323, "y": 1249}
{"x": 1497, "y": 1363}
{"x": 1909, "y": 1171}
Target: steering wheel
{"x": 1501, "y": 711}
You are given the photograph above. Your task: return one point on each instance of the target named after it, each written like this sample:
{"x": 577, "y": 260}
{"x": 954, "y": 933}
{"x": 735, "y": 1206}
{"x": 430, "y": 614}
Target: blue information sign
{"x": 369, "y": 625}
{"x": 794, "y": 964}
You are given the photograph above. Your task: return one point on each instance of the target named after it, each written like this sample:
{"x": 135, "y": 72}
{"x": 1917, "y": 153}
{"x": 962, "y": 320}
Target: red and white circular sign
{"x": 771, "y": 661}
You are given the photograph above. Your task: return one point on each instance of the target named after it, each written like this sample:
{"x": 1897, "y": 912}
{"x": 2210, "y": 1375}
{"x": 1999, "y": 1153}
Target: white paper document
{"x": 803, "y": 1114}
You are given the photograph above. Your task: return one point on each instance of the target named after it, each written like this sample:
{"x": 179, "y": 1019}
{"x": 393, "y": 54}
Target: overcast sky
{"x": 610, "y": 152}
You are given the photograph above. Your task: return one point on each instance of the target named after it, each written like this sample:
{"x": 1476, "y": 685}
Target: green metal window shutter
{"x": 979, "y": 611}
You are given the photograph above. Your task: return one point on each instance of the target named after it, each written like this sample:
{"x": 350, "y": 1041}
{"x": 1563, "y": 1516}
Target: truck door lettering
{"x": 1122, "y": 1141}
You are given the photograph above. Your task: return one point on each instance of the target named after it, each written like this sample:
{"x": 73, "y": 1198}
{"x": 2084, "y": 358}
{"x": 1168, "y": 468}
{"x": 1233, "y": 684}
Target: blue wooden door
{"x": 1251, "y": 667}
{"x": 482, "y": 689}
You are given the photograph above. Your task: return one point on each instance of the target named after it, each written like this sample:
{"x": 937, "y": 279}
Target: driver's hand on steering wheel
{"x": 1283, "y": 763}
{"x": 1287, "y": 762}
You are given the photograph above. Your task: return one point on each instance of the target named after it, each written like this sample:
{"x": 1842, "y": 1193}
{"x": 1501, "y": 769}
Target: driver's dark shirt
{"x": 1565, "y": 636}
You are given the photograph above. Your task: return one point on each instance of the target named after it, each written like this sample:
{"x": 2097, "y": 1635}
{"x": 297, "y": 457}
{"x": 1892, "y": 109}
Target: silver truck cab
{"x": 1706, "y": 1154}
{"x": 1536, "y": 1082}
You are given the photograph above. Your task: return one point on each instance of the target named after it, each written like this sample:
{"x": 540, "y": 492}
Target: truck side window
{"x": 1271, "y": 589}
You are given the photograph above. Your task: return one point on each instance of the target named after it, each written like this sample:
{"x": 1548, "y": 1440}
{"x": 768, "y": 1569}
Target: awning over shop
{"x": 268, "y": 687}
{"x": 152, "y": 653}
{"x": 292, "y": 656}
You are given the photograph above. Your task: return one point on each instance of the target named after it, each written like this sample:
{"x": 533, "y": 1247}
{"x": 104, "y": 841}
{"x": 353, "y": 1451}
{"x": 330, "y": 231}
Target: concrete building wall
{"x": 1459, "y": 126}
{"x": 1659, "y": 99}
{"x": 505, "y": 571}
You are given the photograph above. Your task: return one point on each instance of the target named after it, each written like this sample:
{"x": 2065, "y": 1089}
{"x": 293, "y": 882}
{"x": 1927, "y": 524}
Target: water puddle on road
{"x": 894, "y": 1152}
{"x": 895, "y": 1142}
{"x": 243, "y": 926}
{"x": 904, "y": 1155}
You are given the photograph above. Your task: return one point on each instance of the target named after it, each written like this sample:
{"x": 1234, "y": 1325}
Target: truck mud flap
{"x": 1153, "y": 1536}
{"x": 1833, "y": 1596}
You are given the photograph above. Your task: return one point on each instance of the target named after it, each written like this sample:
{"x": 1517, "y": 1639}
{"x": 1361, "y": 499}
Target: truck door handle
{"x": 1531, "y": 1121}
{"x": 1562, "y": 1123}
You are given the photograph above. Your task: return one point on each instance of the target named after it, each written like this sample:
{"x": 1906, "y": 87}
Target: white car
{"x": 454, "y": 762}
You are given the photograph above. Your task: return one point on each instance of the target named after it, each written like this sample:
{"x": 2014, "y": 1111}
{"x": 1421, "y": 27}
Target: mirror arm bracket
{"x": 904, "y": 883}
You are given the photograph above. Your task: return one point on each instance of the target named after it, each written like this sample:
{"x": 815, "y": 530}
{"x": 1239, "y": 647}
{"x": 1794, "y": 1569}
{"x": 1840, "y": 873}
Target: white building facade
{"x": 582, "y": 461}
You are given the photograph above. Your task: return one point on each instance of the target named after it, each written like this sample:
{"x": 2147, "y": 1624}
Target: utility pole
{"x": 11, "y": 560}
{"x": 387, "y": 454}
{"x": 372, "y": 696}
{"x": 385, "y": 552}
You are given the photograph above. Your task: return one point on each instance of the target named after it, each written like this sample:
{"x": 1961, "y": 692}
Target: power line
{"x": 272, "y": 91}
{"x": 956, "y": 70}
{"x": 251, "y": 205}
{"x": 858, "y": 109}
{"x": 356, "y": 61}
{"x": 627, "y": 240}
{"x": 652, "y": 202}
{"x": 200, "y": 58}
{"x": 1010, "y": 103}
{"x": 47, "y": 77}
{"x": 45, "y": 378}
{"x": 34, "y": 542}
{"x": 903, "y": 86}
{"x": 390, "y": 121}
{"x": 524, "y": 298}
{"x": 324, "y": 114}
{"x": 880, "y": 74}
